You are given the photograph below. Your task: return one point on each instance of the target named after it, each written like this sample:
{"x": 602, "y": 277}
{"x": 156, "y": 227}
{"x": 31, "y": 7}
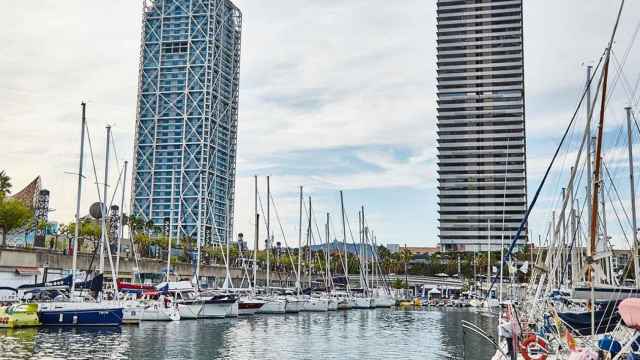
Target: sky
{"x": 334, "y": 95}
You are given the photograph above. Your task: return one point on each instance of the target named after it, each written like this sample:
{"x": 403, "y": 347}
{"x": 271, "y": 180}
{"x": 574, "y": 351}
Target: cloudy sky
{"x": 334, "y": 95}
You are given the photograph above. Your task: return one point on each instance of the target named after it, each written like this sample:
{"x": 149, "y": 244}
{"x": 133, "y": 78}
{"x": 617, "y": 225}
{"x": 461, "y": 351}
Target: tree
{"x": 13, "y": 215}
{"x": 5, "y": 184}
{"x": 89, "y": 229}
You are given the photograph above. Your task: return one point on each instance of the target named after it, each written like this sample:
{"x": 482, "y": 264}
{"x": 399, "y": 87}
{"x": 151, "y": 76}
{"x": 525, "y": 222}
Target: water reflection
{"x": 356, "y": 334}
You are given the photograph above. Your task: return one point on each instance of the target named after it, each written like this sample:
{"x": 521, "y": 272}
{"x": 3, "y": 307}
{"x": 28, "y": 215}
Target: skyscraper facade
{"x": 482, "y": 188}
{"x": 187, "y": 117}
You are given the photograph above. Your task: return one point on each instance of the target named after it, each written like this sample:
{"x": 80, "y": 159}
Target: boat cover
{"x": 630, "y": 312}
{"x": 583, "y": 354}
{"x": 606, "y": 316}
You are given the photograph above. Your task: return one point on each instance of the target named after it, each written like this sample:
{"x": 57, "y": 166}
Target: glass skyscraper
{"x": 187, "y": 117}
{"x": 482, "y": 182}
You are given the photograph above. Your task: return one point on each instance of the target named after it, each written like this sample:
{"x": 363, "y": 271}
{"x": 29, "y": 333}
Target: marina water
{"x": 362, "y": 334}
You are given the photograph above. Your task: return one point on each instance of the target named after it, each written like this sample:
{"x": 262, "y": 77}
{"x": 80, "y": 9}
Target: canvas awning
{"x": 27, "y": 270}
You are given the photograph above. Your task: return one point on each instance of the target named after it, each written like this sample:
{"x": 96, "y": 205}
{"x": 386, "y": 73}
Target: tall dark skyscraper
{"x": 186, "y": 129}
{"x": 481, "y": 127}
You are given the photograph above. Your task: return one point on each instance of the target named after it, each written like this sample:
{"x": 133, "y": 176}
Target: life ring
{"x": 539, "y": 343}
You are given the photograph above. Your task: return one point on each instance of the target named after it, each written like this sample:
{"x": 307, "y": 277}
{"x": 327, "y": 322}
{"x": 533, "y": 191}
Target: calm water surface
{"x": 355, "y": 334}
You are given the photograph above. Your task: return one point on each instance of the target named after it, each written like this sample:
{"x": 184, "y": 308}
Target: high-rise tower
{"x": 186, "y": 129}
{"x": 481, "y": 128}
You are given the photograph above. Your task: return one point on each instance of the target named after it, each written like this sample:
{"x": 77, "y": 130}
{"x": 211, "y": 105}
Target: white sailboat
{"x": 73, "y": 311}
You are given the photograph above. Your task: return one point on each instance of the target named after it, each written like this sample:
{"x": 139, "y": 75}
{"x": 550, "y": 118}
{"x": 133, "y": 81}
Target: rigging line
{"x": 321, "y": 243}
{"x": 625, "y": 82}
{"x": 612, "y": 185}
{"x": 573, "y": 239}
{"x": 564, "y": 136}
{"x": 93, "y": 163}
{"x": 115, "y": 153}
{"x": 625, "y": 56}
{"x": 335, "y": 236}
{"x": 354, "y": 246}
{"x": 115, "y": 190}
{"x": 284, "y": 237}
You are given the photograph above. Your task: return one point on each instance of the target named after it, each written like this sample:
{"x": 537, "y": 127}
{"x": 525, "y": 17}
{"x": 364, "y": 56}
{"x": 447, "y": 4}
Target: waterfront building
{"x": 187, "y": 117}
{"x": 482, "y": 188}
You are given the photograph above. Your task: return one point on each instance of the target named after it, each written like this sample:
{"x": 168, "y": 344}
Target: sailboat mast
{"x": 593, "y": 233}
{"x": 298, "y": 284}
{"x": 365, "y": 256}
{"x": 256, "y": 236}
{"x": 633, "y": 199}
{"x": 105, "y": 209}
{"x": 488, "y": 253}
{"x": 588, "y": 157}
{"x": 173, "y": 182}
{"x": 78, "y": 196}
{"x": 268, "y": 245}
{"x": 121, "y": 232}
{"x": 328, "y": 255}
{"x": 309, "y": 246}
{"x": 344, "y": 237}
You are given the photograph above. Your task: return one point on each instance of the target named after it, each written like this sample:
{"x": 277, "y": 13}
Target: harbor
{"x": 383, "y": 333}
{"x": 336, "y": 196}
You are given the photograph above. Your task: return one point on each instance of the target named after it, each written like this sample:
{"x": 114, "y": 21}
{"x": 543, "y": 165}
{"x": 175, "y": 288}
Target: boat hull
{"x": 332, "y": 304}
{"x": 249, "y": 307}
{"x": 218, "y": 310}
{"x": 157, "y": 312}
{"x": 273, "y": 307}
{"x": 190, "y": 311}
{"x": 384, "y": 302}
{"x": 294, "y": 305}
{"x": 79, "y": 314}
{"x": 315, "y": 305}
{"x": 362, "y": 303}
{"x": 606, "y": 293}
{"x": 344, "y": 304}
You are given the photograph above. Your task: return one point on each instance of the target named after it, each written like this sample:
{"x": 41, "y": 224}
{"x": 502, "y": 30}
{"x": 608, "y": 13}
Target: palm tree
{"x": 5, "y": 184}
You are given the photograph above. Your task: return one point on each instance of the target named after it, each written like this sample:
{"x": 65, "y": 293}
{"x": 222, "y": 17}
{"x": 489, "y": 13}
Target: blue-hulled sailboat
{"x": 68, "y": 310}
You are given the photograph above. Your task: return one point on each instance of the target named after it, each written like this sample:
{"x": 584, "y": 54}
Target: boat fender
{"x": 531, "y": 340}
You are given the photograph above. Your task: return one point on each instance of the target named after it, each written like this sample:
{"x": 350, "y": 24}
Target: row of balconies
{"x": 505, "y": 11}
{"x": 470, "y": 177}
{"x": 510, "y": 17}
{"x": 461, "y": 4}
{"x": 469, "y": 29}
{"x": 505, "y": 46}
{"x": 472, "y": 72}
{"x": 478, "y": 43}
{"x": 484, "y": 103}
{"x": 476, "y": 186}
{"x": 489, "y": 127}
{"x": 502, "y": 149}
{"x": 476, "y": 122}
{"x": 469, "y": 208}
{"x": 463, "y": 115}
{"x": 498, "y": 190}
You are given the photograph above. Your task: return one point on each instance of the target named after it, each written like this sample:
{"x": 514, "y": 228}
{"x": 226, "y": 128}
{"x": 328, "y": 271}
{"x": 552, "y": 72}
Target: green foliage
{"x": 89, "y": 229}
{"x": 13, "y": 215}
{"x": 398, "y": 284}
{"x": 5, "y": 184}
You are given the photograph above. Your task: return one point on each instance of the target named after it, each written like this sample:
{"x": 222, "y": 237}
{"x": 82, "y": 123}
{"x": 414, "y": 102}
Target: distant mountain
{"x": 340, "y": 246}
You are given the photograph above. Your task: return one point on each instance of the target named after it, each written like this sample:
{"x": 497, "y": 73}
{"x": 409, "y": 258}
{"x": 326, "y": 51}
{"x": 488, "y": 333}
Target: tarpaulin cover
{"x": 630, "y": 311}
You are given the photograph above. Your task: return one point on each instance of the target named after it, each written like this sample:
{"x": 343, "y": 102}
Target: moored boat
{"x": 71, "y": 313}
{"x": 19, "y": 315}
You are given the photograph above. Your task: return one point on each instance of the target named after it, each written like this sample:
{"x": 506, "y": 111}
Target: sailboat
{"x": 272, "y": 304}
{"x": 73, "y": 311}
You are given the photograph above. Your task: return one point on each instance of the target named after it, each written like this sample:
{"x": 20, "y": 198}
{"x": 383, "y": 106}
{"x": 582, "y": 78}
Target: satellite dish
{"x": 95, "y": 210}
